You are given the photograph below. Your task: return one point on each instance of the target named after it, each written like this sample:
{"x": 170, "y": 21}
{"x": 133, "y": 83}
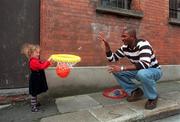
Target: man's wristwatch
{"x": 122, "y": 68}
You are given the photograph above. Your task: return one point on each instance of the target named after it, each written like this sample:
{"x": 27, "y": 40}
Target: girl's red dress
{"x": 37, "y": 79}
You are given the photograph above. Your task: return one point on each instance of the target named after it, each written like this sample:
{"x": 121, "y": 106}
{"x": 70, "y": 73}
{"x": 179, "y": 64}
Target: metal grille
{"x": 174, "y": 9}
{"x": 123, "y": 4}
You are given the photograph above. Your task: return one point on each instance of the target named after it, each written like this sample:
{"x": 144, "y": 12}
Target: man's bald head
{"x": 130, "y": 31}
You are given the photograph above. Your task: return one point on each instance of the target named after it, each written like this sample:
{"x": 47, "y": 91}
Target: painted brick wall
{"x": 71, "y": 26}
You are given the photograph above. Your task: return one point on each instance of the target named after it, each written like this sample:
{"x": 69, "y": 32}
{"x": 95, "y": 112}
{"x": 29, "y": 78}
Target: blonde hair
{"x": 27, "y": 49}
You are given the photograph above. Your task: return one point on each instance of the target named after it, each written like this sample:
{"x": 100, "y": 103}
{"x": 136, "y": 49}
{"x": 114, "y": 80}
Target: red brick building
{"x": 71, "y": 26}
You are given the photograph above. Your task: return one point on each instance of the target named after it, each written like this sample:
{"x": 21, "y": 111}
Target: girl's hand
{"x": 51, "y": 60}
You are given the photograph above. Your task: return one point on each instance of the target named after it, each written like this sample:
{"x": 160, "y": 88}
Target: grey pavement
{"x": 175, "y": 118}
{"x": 94, "y": 107}
{"x": 8, "y": 92}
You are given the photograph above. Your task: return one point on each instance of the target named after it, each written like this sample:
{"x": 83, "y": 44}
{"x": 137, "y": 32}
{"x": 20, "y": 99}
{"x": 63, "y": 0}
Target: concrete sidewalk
{"x": 95, "y": 107}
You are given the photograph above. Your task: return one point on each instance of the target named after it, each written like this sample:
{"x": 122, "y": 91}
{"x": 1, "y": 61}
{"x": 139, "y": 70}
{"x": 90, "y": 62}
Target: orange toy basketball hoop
{"x": 64, "y": 63}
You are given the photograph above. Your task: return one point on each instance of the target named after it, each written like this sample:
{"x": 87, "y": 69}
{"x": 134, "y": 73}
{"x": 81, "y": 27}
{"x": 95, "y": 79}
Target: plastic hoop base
{"x": 115, "y": 93}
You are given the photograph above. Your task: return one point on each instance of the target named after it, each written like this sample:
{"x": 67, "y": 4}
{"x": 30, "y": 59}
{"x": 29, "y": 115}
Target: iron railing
{"x": 123, "y": 4}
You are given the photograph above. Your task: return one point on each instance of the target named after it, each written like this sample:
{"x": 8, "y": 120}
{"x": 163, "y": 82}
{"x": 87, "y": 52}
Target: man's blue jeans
{"x": 147, "y": 77}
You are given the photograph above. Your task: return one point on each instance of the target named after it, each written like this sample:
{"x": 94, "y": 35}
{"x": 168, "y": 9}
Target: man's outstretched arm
{"x": 102, "y": 39}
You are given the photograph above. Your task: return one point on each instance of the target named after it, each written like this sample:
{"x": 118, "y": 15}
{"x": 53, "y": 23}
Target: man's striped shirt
{"x": 142, "y": 55}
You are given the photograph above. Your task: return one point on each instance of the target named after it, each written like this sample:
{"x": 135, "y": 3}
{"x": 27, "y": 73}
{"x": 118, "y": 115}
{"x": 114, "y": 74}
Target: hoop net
{"x": 64, "y": 63}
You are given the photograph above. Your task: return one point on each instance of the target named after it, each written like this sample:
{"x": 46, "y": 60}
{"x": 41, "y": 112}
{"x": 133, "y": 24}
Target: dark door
{"x": 19, "y": 24}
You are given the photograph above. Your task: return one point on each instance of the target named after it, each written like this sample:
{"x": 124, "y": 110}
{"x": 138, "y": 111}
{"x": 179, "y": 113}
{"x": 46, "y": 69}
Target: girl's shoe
{"x": 38, "y": 104}
{"x": 34, "y": 109}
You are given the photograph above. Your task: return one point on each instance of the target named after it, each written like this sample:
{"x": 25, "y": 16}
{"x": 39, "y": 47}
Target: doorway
{"x": 19, "y": 24}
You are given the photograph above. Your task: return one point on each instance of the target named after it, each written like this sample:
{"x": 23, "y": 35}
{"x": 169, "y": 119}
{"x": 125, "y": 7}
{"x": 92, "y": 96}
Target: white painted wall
{"x": 88, "y": 79}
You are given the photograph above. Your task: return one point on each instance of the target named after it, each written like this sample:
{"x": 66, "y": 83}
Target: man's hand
{"x": 102, "y": 39}
{"x": 114, "y": 68}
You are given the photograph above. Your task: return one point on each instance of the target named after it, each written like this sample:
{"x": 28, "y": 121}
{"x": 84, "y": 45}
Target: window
{"x": 124, "y": 4}
{"x": 174, "y": 12}
{"x": 174, "y": 9}
{"x": 119, "y": 7}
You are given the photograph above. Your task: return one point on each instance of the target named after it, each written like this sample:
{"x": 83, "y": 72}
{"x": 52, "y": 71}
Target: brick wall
{"x": 71, "y": 26}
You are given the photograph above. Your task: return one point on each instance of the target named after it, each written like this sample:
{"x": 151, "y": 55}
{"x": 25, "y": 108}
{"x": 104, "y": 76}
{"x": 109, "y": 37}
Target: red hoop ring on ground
{"x": 109, "y": 91}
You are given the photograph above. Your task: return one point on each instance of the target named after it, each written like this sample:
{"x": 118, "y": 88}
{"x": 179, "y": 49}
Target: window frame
{"x": 124, "y": 4}
{"x": 174, "y": 12}
{"x": 119, "y": 11}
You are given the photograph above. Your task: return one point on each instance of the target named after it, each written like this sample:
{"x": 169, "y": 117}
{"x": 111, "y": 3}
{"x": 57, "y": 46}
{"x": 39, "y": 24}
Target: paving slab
{"x": 76, "y": 103}
{"x": 105, "y": 100}
{"x": 166, "y": 87}
{"x": 175, "y": 96}
{"x": 174, "y": 118}
{"x": 164, "y": 108}
{"x": 12, "y": 92}
{"x": 82, "y": 116}
{"x": 21, "y": 112}
{"x": 177, "y": 81}
{"x": 4, "y": 106}
{"x": 112, "y": 112}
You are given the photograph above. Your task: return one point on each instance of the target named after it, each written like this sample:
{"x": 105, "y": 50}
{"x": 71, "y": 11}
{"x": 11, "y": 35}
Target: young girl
{"x": 37, "y": 79}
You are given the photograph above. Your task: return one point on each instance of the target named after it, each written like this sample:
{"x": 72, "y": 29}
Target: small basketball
{"x": 63, "y": 70}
